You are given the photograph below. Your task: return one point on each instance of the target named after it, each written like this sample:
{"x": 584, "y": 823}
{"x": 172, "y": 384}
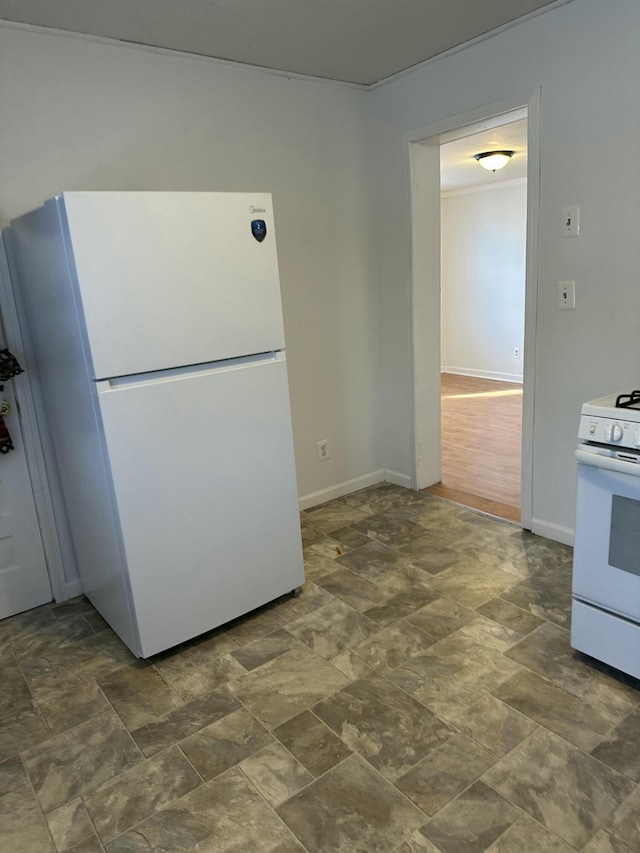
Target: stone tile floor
{"x": 420, "y": 695}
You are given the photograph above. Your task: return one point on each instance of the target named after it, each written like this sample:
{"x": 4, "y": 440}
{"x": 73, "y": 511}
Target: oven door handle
{"x": 597, "y": 460}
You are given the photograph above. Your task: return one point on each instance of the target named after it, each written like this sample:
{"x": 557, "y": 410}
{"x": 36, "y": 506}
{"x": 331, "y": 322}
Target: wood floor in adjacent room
{"x": 481, "y": 439}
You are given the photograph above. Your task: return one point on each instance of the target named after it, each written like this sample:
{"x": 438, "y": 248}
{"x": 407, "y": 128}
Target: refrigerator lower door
{"x": 204, "y": 484}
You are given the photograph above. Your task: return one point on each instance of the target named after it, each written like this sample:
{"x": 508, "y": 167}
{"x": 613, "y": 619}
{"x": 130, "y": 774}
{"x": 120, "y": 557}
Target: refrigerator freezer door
{"x": 205, "y": 488}
{"x": 172, "y": 279}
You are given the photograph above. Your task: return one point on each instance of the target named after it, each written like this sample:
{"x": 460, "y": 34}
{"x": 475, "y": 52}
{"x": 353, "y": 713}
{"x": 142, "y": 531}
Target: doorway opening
{"x": 483, "y": 234}
{"x": 474, "y": 288}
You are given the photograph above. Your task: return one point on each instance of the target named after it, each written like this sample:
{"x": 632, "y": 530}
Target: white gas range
{"x": 605, "y": 621}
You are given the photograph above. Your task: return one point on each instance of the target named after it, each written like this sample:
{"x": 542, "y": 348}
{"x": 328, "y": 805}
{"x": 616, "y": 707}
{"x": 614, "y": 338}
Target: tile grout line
{"x": 573, "y": 746}
{"x": 274, "y": 808}
{"x": 594, "y": 703}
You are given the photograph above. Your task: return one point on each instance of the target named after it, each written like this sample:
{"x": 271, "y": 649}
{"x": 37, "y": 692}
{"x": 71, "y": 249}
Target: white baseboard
{"x": 552, "y": 531}
{"x": 541, "y": 528}
{"x": 72, "y": 589}
{"x": 397, "y": 478}
{"x": 349, "y": 486}
{"x": 482, "y": 374}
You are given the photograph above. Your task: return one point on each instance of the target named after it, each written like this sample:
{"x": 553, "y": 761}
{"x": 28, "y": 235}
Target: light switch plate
{"x": 571, "y": 221}
{"x": 566, "y": 295}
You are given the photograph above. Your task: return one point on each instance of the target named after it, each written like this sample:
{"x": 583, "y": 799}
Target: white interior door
{"x": 24, "y": 579}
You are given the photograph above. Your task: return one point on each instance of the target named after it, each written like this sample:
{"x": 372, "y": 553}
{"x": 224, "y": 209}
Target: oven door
{"x": 606, "y": 562}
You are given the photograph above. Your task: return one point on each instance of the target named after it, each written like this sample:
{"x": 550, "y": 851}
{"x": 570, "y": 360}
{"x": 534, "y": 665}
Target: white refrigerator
{"x": 155, "y": 325}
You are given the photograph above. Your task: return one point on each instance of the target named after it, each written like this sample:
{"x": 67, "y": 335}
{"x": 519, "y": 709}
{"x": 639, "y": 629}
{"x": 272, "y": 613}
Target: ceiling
{"x": 356, "y": 41}
{"x": 458, "y": 166}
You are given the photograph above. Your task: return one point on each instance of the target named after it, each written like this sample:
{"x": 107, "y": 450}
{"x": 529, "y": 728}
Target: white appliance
{"x": 156, "y": 325}
{"x": 605, "y": 621}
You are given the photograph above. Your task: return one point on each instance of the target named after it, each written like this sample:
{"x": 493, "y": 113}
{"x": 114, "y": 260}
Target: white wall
{"x": 483, "y": 239}
{"x": 585, "y": 58}
{"x": 83, "y": 114}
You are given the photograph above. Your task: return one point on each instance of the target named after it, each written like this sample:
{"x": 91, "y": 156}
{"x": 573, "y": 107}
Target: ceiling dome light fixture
{"x": 494, "y": 160}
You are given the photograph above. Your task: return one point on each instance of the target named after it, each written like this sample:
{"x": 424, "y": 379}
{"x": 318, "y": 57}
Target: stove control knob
{"x": 615, "y": 432}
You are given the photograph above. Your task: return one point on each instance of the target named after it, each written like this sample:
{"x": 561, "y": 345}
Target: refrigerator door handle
{"x": 242, "y": 363}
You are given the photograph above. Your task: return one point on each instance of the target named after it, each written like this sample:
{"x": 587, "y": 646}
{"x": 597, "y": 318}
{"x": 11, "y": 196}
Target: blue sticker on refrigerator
{"x": 259, "y": 229}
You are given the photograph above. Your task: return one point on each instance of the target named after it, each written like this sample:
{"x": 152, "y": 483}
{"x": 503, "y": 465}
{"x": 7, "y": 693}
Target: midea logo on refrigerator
{"x": 258, "y": 226}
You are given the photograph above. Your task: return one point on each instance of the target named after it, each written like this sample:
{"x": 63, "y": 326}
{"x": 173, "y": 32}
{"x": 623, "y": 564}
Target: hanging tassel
{"x": 9, "y": 366}
{"x": 5, "y": 439}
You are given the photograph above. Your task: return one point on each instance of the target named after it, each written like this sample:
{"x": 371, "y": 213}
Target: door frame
{"x": 425, "y": 285}
{"x": 31, "y": 438}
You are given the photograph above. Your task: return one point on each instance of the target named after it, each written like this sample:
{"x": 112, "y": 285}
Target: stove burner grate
{"x": 628, "y": 401}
